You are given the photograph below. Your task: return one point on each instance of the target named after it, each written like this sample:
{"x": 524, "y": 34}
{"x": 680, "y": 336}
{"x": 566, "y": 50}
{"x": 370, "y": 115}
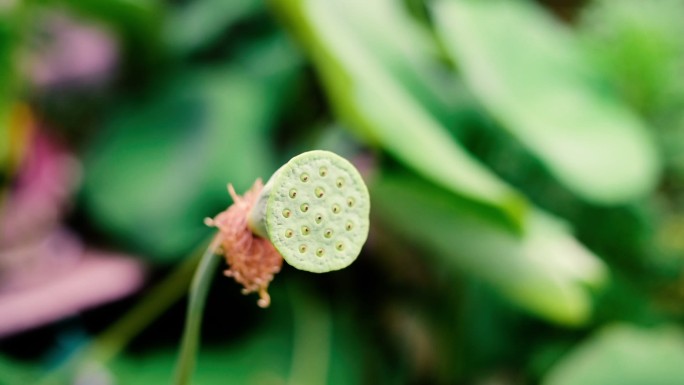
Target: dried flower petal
{"x": 252, "y": 260}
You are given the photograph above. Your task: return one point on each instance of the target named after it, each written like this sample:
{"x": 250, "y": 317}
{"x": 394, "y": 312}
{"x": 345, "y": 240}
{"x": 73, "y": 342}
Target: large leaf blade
{"x": 531, "y": 75}
{"x": 163, "y": 164}
{"x": 546, "y": 271}
{"x": 623, "y": 354}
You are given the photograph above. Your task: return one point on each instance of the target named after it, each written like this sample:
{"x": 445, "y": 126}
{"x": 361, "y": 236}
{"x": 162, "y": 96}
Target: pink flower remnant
{"x": 252, "y": 260}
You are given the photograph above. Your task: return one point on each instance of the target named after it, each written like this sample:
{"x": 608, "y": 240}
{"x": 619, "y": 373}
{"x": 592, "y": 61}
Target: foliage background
{"x": 524, "y": 160}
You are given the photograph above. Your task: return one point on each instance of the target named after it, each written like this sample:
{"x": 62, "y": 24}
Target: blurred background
{"x": 525, "y": 161}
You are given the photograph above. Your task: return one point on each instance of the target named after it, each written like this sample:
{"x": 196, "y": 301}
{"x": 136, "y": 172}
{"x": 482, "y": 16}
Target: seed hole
{"x": 319, "y": 192}
{"x": 350, "y": 202}
{"x": 336, "y": 208}
{"x": 289, "y": 233}
{"x": 304, "y": 177}
{"x": 323, "y": 171}
{"x": 328, "y": 233}
{"x": 293, "y": 193}
{"x": 304, "y": 207}
{"x": 287, "y": 213}
{"x": 339, "y": 183}
{"x": 318, "y": 219}
{"x": 339, "y": 246}
{"x": 302, "y": 248}
{"x": 349, "y": 226}
{"x": 306, "y": 230}
{"x": 320, "y": 252}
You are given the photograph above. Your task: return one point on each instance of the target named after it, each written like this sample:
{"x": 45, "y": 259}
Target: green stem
{"x": 115, "y": 338}
{"x": 113, "y": 341}
{"x": 198, "y": 296}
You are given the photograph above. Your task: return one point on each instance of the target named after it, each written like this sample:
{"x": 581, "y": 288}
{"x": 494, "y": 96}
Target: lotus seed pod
{"x": 314, "y": 210}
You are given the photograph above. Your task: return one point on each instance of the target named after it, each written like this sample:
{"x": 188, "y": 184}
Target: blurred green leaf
{"x": 640, "y": 48}
{"x": 7, "y": 45}
{"x": 257, "y": 360}
{"x": 370, "y": 60}
{"x": 200, "y": 22}
{"x": 13, "y": 372}
{"x": 545, "y": 271}
{"x": 301, "y": 341}
{"x": 392, "y": 41}
{"x": 136, "y": 21}
{"x": 624, "y": 355}
{"x": 530, "y": 73}
{"x": 163, "y": 163}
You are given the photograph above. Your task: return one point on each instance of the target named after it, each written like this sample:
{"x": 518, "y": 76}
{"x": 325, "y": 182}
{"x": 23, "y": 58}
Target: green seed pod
{"x": 315, "y": 211}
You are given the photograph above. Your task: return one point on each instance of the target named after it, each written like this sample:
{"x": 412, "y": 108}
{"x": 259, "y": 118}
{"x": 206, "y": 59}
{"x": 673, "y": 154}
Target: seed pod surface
{"x": 315, "y": 211}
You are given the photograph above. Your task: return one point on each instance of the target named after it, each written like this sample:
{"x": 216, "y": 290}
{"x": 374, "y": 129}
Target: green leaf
{"x": 201, "y": 22}
{"x": 300, "y": 339}
{"x": 366, "y": 56}
{"x": 546, "y": 271}
{"x": 8, "y": 37}
{"x": 163, "y": 163}
{"x": 531, "y": 75}
{"x": 648, "y": 36}
{"x": 14, "y": 372}
{"x": 625, "y": 355}
{"x": 137, "y": 23}
{"x": 255, "y": 359}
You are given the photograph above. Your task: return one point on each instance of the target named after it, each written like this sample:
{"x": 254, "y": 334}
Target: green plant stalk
{"x": 114, "y": 339}
{"x": 201, "y": 282}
